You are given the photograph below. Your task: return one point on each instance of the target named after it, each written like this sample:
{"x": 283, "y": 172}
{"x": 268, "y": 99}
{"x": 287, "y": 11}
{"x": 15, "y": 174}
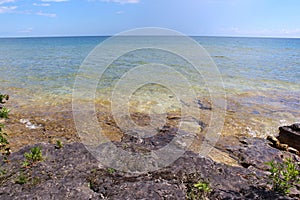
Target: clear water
{"x": 261, "y": 75}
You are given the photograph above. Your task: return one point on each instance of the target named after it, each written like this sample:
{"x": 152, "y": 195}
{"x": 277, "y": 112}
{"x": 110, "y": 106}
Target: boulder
{"x": 290, "y": 135}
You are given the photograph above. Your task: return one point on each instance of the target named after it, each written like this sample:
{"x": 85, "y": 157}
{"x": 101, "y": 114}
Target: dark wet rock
{"x": 72, "y": 173}
{"x": 164, "y": 136}
{"x": 290, "y": 135}
{"x": 204, "y": 105}
{"x": 296, "y": 127}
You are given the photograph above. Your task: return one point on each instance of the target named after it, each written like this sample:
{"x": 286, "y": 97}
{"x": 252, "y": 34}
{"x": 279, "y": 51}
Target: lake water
{"x": 261, "y": 76}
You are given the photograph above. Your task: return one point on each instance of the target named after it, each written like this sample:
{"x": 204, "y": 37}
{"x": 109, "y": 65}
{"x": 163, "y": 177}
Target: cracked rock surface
{"x": 71, "y": 172}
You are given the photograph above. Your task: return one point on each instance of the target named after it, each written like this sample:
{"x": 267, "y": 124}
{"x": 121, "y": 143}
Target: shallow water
{"x": 261, "y": 78}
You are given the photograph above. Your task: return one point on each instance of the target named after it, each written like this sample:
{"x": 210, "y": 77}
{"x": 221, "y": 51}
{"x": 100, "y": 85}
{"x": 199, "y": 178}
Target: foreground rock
{"x": 255, "y": 152}
{"x": 72, "y": 173}
{"x": 290, "y": 135}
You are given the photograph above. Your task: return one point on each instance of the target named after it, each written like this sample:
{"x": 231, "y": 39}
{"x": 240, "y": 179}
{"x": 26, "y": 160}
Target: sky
{"x": 256, "y": 18}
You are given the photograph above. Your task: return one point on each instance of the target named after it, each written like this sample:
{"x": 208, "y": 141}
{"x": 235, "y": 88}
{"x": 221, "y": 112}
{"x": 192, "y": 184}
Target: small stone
{"x": 282, "y": 146}
{"x": 24, "y": 121}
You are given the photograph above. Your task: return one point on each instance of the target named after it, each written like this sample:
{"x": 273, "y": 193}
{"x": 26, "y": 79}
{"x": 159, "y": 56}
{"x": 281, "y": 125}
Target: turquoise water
{"x": 43, "y": 64}
{"x": 261, "y": 75}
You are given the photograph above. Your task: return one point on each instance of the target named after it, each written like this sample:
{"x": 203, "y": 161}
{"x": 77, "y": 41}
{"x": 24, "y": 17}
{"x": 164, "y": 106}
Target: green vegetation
{"x": 199, "y": 190}
{"x": 35, "y": 155}
{"x": 3, "y": 98}
{"x": 4, "y": 113}
{"x": 284, "y": 176}
{"x": 3, "y": 137}
{"x": 22, "y": 179}
{"x": 2, "y": 172}
{"x": 25, "y": 163}
{"x": 4, "y": 148}
{"x": 59, "y": 144}
{"x": 203, "y": 186}
{"x": 111, "y": 170}
{"x": 25, "y": 177}
{"x": 94, "y": 170}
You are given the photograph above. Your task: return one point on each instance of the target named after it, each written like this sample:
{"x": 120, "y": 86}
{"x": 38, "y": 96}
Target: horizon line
{"x": 192, "y": 35}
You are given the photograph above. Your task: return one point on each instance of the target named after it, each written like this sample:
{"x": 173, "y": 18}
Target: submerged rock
{"x": 29, "y": 124}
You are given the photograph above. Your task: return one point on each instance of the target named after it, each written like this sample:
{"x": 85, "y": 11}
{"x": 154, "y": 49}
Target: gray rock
{"x": 73, "y": 173}
{"x": 256, "y": 152}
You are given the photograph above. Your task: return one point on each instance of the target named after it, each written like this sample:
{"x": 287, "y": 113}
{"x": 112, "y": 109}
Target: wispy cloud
{"x": 123, "y": 1}
{"x": 25, "y": 12}
{"x": 26, "y": 30}
{"x": 7, "y": 9}
{"x": 262, "y": 32}
{"x": 46, "y": 14}
{"x": 12, "y": 9}
{"x": 41, "y": 4}
{"x": 57, "y": 1}
{"x": 119, "y": 12}
{"x": 290, "y": 31}
{"x": 6, "y": 1}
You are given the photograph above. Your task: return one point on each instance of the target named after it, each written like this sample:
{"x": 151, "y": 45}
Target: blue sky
{"x": 276, "y": 18}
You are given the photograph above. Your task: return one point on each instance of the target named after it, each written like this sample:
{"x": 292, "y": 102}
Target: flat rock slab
{"x": 72, "y": 172}
{"x": 256, "y": 152}
{"x": 290, "y": 135}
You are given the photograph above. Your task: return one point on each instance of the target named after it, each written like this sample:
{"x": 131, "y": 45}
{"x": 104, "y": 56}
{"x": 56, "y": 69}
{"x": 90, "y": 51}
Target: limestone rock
{"x": 71, "y": 172}
{"x": 290, "y": 135}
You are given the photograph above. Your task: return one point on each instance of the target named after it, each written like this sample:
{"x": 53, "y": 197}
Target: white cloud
{"x": 123, "y": 1}
{"x": 46, "y": 14}
{"x": 54, "y": 0}
{"x": 6, "y": 1}
{"x": 7, "y": 9}
{"x": 120, "y": 12}
{"x": 41, "y": 4}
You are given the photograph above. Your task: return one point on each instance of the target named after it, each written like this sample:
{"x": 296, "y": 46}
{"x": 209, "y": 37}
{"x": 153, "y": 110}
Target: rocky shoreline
{"x": 71, "y": 172}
